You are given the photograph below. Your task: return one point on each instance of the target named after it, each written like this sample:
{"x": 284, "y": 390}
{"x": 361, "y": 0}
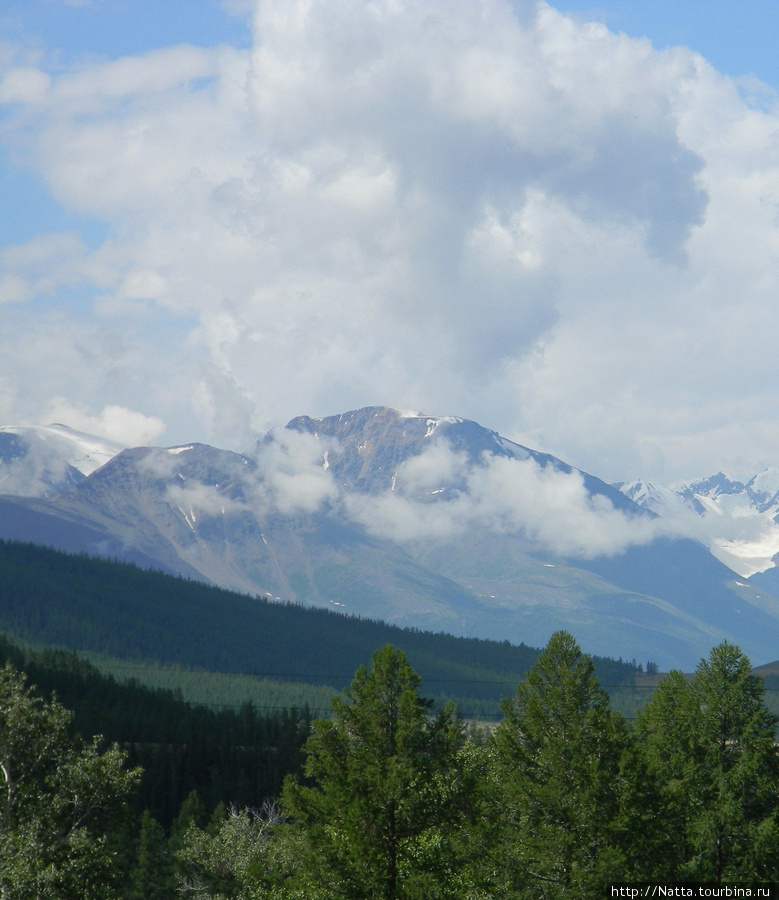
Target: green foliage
{"x": 233, "y": 756}
{"x": 390, "y": 791}
{"x": 243, "y": 856}
{"x": 562, "y": 792}
{"x": 58, "y": 799}
{"x": 120, "y": 611}
{"x": 218, "y": 689}
{"x": 396, "y": 801}
{"x": 710, "y": 743}
{"x": 153, "y": 875}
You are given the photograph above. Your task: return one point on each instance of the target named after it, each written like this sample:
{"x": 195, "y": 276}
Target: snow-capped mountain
{"x": 39, "y": 460}
{"x": 739, "y": 521}
{"x": 431, "y": 522}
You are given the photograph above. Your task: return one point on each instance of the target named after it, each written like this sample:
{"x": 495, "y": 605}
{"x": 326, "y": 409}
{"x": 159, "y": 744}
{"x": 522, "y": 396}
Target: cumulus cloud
{"x": 197, "y": 500}
{"x": 24, "y": 85}
{"x": 45, "y": 266}
{"x": 484, "y": 208}
{"x": 292, "y": 478}
{"x": 125, "y": 426}
{"x": 441, "y": 495}
{"x": 285, "y": 475}
{"x": 36, "y": 473}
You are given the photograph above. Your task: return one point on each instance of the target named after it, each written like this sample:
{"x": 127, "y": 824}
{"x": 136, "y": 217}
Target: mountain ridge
{"x": 737, "y": 520}
{"x": 429, "y": 522}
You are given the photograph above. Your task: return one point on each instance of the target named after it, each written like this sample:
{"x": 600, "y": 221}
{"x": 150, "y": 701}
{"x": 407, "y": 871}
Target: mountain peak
{"x": 38, "y": 460}
{"x": 365, "y": 447}
{"x": 429, "y": 521}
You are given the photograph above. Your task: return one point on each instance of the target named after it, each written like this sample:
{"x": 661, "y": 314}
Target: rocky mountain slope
{"x": 436, "y": 523}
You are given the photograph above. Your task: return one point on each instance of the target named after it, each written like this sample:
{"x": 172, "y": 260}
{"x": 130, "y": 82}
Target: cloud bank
{"x": 484, "y": 208}
{"x": 439, "y": 495}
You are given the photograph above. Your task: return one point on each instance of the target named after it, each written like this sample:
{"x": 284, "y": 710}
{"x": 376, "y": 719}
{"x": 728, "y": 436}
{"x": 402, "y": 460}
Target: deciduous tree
{"x": 243, "y": 855}
{"x": 57, "y": 801}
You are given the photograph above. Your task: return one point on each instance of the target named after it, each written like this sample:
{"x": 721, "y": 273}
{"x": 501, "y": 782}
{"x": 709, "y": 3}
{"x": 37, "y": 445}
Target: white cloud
{"x": 439, "y": 495}
{"x": 44, "y": 266}
{"x": 33, "y": 474}
{"x": 239, "y": 8}
{"x": 284, "y": 475}
{"x": 483, "y": 208}
{"x": 125, "y": 426}
{"x": 291, "y": 475}
{"x": 24, "y": 85}
{"x": 197, "y": 500}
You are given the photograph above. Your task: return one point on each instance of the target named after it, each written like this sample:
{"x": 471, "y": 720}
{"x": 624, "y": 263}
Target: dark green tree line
{"x": 398, "y": 800}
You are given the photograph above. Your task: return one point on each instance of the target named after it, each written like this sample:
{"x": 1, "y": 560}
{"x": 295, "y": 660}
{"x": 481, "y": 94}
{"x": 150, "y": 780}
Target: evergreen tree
{"x": 711, "y": 745}
{"x": 192, "y": 812}
{"x": 564, "y": 775}
{"x": 153, "y": 876}
{"x": 667, "y": 732}
{"x": 58, "y": 800}
{"x": 388, "y": 792}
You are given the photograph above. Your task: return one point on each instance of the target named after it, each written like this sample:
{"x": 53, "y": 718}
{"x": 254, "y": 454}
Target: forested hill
{"x": 229, "y": 756}
{"x": 81, "y": 603}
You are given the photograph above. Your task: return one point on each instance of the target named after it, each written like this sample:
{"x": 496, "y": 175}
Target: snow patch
{"x": 186, "y": 518}
{"x": 738, "y": 522}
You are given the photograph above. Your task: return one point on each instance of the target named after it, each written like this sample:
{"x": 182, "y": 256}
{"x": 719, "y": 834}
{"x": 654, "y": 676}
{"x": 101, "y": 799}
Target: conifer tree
{"x": 152, "y": 877}
{"x": 711, "y": 744}
{"x": 191, "y": 812}
{"x": 564, "y": 772}
{"x": 386, "y": 792}
{"x": 667, "y": 732}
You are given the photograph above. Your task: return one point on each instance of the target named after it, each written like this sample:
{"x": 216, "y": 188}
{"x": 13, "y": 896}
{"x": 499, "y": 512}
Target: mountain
{"x": 430, "y": 522}
{"x": 40, "y": 460}
{"x": 739, "y": 521}
{"x": 366, "y": 448}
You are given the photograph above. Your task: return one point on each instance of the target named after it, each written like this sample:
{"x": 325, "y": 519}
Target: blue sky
{"x": 72, "y": 34}
{"x": 216, "y": 216}
{"x": 738, "y": 39}
{"x": 111, "y": 28}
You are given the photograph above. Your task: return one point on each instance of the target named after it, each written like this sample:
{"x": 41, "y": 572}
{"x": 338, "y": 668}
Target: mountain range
{"x": 739, "y": 521}
{"x": 432, "y": 522}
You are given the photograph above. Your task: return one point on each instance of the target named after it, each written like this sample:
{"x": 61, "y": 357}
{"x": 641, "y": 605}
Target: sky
{"x": 561, "y": 221}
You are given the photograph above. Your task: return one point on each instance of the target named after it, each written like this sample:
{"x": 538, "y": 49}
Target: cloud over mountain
{"x": 484, "y": 206}
{"x": 440, "y": 495}
{"x": 430, "y": 522}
